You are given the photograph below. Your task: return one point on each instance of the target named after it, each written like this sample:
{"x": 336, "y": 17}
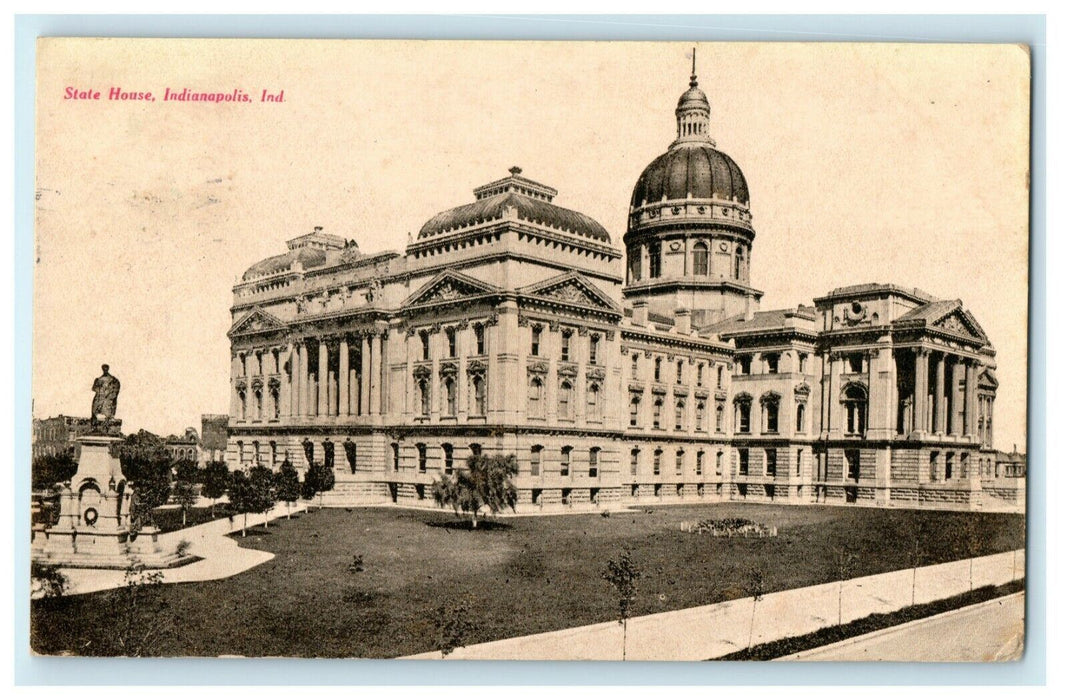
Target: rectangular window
{"x": 565, "y": 461}
{"x": 656, "y": 370}
{"x": 422, "y": 457}
{"x": 535, "y": 340}
{"x": 743, "y": 461}
{"x": 700, "y": 374}
{"x": 679, "y": 457}
{"x": 634, "y": 455}
{"x": 424, "y": 338}
{"x": 800, "y": 458}
{"x": 719, "y": 463}
{"x": 450, "y": 338}
{"x": 565, "y": 346}
{"x": 770, "y": 462}
{"x": 535, "y": 460}
{"x": 656, "y": 462}
{"x": 634, "y": 366}
{"x": 853, "y": 464}
{"x": 654, "y": 260}
{"x": 678, "y": 372}
{"x": 635, "y": 408}
{"x": 772, "y": 360}
{"x": 745, "y": 364}
{"x": 802, "y": 360}
{"x": 595, "y": 453}
{"x": 595, "y": 342}
{"x": 699, "y": 464}
{"x": 446, "y": 457}
{"x": 480, "y": 339}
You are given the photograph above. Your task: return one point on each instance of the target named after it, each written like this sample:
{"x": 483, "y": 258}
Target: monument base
{"x": 93, "y": 529}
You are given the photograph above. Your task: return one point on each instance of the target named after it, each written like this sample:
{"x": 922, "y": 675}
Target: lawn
{"x": 517, "y": 576}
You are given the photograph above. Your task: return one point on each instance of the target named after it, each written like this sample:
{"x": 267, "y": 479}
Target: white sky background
{"x": 904, "y": 164}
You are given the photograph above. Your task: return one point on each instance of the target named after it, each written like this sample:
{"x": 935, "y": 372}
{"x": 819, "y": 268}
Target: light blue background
{"x": 1030, "y": 29}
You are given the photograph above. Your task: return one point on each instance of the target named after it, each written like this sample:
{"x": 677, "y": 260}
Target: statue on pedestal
{"x": 105, "y": 398}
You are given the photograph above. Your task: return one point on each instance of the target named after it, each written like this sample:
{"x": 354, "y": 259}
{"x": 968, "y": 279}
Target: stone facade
{"x": 512, "y": 325}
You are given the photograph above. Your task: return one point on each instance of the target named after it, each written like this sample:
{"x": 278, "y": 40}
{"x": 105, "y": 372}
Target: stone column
{"x": 235, "y": 372}
{"x": 834, "y": 412}
{"x": 956, "y": 398}
{"x": 383, "y": 363}
{"x": 940, "y": 395}
{"x": 971, "y": 399}
{"x": 375, "y": 383}
{"x": 365, "y": 374}
{"x": 343, "y": 400}
{"x": 300, "y": 379}
{"x": 919, "y": 392}
{"x": 324, "y": 380}
{"x": 285, "y": 392}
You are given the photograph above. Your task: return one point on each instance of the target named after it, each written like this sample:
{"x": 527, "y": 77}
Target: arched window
{"x": 564, "y": 409}
{"x": 700, "y": 259}
{"x": 656, "y": 369}
{"x": 593, "y": 401}
{"x": 449, "y": 385}
{"x": 699, "y": 415}
{"x": 699, "y": 464}
{"x": 657, "y": 456}
{"x": 739, "y": 261}
{"x": 565, "y": 460}
{"x": 259, "y": 403}
{"x": 475, "y": 449}
{"x": 635, "y": 455}
{"x": 680, "y": 457}
{"x": 634, "y": 263}
{"x": 479, "y": 386}
{"x": 658, "y": 407}
{"x": 565, "y": 346}
{"x": 396, "y": 456}
{"x": 743, "y": 406}
{"x": 256, "y": 452}
{"x": 240, "y": 452}
{"x": 635, "y": 408}
{"x": 595, "y": 343}
{"x": 534, "y": 397}
{"x": 680, "y": 414}
{"x": 678, "y": 371}
{"x": 719, "y": 376}
{"x": 424, "y": 397}
{"x": 535, "y": 460}
{"x": 595, "y": 458}
{"x": 535, "y": 340}
{"x": 424, "y": 339}
{"x": 855, "y": 402}
{"x": 719, "y": 417}
{"x": 800, "y": 427}
{"x": 244, "y": 404}
{"x": 770, "y": 408}
{"x": 421, "y": 449}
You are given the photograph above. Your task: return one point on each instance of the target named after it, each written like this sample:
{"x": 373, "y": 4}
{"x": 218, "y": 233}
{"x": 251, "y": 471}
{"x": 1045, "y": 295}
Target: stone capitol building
{"x": 646, "y": 373}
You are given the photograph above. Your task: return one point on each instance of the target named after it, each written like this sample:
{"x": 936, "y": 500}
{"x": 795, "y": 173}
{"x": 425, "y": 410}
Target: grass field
{"x": 517, "y": 576}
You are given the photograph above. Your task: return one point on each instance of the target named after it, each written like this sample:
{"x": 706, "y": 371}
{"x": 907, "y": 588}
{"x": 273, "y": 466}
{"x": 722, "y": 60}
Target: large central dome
{"x": 691, "y": 171}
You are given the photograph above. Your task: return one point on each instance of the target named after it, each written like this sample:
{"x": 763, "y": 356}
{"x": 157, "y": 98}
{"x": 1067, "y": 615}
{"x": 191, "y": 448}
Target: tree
{"x": 623, "y": 574}
{"x": 241, "y": 497}
{"x": 261, "y": 483}
{"x": 485, "y": 483}
{"x": 185, "y": 494}
{"x": 287, "y": 485}
{"x": 845, "y": 562}
{"x": 317, "y": 480}
{"x": 146, "y": 464}
{"x": 47, "y": 581}
{"x": 453, "y": 623}
{"x": 49, "y": 470}
{"x": 137, "y": 612}
{"x": 216, "y": 482}
{"x": 186, "y": 470}
{"x": 754, "y": 586}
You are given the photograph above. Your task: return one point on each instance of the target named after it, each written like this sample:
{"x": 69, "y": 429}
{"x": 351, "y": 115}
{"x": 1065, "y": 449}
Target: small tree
{"x": 241, "y": 497}
{"x": 485, "y": 483}
{"x": 216, "y": 482}
{"x": 754, "y": 587}
{"x": 287, "y": 485}
{"x": 185, "y": 494}
{"x": 623, "y": 574}
{"x": 137, "y": 612}
{"x": 845, "y": 562}
{"x": 49, "y": 470}
{"x": 317, "y": 480}
{"x": 147, "y": 465}
{"x": 453, "y": 623}
{"x": 47, "y": 581}
{"x": 186, "y": 470}
{"x": 261, "y": 484}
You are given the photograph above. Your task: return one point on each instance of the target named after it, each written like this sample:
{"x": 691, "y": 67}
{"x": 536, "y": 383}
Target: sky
{"x": 865, "y": 163}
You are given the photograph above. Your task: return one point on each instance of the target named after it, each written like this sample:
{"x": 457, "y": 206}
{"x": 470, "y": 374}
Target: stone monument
{"x": 93, "y": 529}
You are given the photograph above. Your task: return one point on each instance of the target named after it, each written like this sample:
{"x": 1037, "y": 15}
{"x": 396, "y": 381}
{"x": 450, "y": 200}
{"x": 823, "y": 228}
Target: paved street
{"x": 990, "y": 631}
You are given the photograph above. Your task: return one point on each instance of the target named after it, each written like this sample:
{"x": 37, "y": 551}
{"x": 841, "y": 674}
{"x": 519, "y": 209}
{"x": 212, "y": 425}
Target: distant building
{"x": 213, "y": 435}
{"x": 58, "y": 434}
{"x": 186, "y": 447}
{"x": 1011, "y": 465}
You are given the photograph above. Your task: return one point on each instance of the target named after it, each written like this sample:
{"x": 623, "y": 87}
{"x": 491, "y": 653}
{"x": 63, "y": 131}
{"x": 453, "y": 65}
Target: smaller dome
{"x": 694, "y": 98}
{"x": 308, "y": 257}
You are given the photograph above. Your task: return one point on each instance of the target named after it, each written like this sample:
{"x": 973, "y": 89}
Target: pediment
{"x": 257, "y": 321}
{"x": 449, "y": 286}
{"x": 570, "y": 288}
{"x": 960, "y": 322}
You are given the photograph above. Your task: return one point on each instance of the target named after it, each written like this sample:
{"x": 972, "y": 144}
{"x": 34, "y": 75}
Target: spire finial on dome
{"x": 693, "y": 69}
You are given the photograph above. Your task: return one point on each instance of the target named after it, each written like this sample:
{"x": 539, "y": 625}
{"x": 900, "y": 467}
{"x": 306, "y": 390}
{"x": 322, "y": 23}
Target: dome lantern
{"x": 693, "y": 112}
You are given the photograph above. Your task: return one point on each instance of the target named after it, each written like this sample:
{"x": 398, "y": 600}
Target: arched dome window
{"x": 534, "y": 402}
{"x": 700, "y": 259}
{"x": 739, "y": 262}
{"x": 855, "y": 403}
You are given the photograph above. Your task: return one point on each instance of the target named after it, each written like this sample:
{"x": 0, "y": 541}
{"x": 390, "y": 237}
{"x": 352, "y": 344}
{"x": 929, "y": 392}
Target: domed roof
{"x": 532, "y": 202}
{"x": 693, "y": 169}
{"x": 694, "y": 98}
{"x": 308, "y": 257}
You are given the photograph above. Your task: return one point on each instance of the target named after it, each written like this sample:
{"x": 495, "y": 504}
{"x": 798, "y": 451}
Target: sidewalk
{"x": 220, "y": 556}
